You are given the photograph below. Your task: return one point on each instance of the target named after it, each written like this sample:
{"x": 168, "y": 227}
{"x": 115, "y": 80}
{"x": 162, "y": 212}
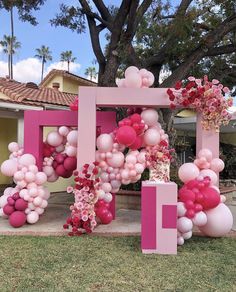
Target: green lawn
{"x": 91, "y": 263}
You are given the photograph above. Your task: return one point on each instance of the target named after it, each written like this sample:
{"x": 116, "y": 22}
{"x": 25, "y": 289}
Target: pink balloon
{"x": 106, "y": 187}
{"x": 206, "y": 153}
{"x": 70, "y": 163}
{"x": 131, "y": 70}
{"x": 40, "y": 178}
{"x": 200, "y": 219}
{"x": 9, "y": 167}
{"x": 139, "y": 168}
{"x": 13, "y": 147}
{"x": 29, "y": 177}
{"x": 17, "y": 219}
{"x": 19, "y": 175}
{"x": 143, "y": 73}
{"x": 120, "y": 82}
{"x": 33, "y": 168}
{"x": 219, "y": 221}
{"x": 32, "y": 217}
{"x": 188, "y": 171}
{"x": 133, "y": 80}
{"x": 37, "y": 201}
{"x": 63, "y": 131}
{"x": 151, "y": 78}
{"x": 54, "y": 138}
{"x": 21, "y": 205}
{"x": 71, "y": 151}
{"x": 130, "y": 159}
{"x": 48, "y": 170}
{"x": 104, "y": 177}
{"x": 126, "y": 135}
{"x": 33, "y": 192}
{"x": 150, "y": 117}
{"x": 217, "y": 165}
{"x": 152, "y": 137}
{"x": 72, "y": 138}
{"x": 116, "y": 160}
{"x": 27, "y": 160}
{"x": 104, "y": 143}
{"x": 184, "y": 224}
{"x": 211, "y": 174}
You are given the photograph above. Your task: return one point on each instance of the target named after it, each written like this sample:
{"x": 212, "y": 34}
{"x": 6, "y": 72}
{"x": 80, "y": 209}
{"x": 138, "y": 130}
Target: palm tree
{"x": 67, "y": 57}
{"x": 91, "y": 72}
{"x": 10, "y": 45}
{"x": 45, "y": 55}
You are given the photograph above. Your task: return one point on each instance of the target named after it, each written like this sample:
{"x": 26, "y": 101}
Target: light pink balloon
{"x": 104, "y": 177}
{"x": 31, "y": 185}
{"x": 63, "y": 131}
{"x": 21, "y": 184}
{"x": 181, "y": 210}
{"x": 54, "y": 138}
{"x": 200, "y": 219}
{"x": 187, "y": 235}
{"x": 152, "y": 137}
{"x": 23, "y": 193}
{"x": 105, "y": 143}
{"x": 32, "y": 217}
{"x": 33, "y": 192}
{"x": 131, "y": 70}
{"x": 142, "y": 157}
{"x": 47, "y": 194}
{"x": 7, "y": 191}
{"x": 115, "y": 184}
{"x": 33, "y": 168}
{"x": 143, "y": 73}
{"x": 151, "y": 78}
{"x": 132, "y": 173}
{"x": 125, "y": 174}
{"x": 106, "y": 187}
{"x": 37, "y": 201}
{"x": 53, "y": 177}
{"x": 112, "y": 176}
{"x": 211, "y": 174}
{"x": 133, "y": 81}
{"x": 217, "y": 165}
{"x": 72, "y": 138}
{"x": 13, "y": 147}
{"x": 39, "y": 210}
{"x": 116, "y": 160}
{"x": 27, "y": 160}
{"x": 71, "y": 151}
{"x": 29, "y": 176}
{"x": 60, "y": 148}
{"x": 188, "y": 171}
{"x": 139, "y": 168}
{"x": 48, "y": 170}
{"x": 180, "y": 240}
{"x": 40, "y": 178}
{"x": 132, "y": 159}
{"x": 219, "y": 221}
{"x": 150, "y": 117}
{"x": 206, "y": 153}
{"x": 19, "y": 175}
{"x": 120, "y": 82}
{"x": 184, "y": 225}
{"x": 9, "y": 167}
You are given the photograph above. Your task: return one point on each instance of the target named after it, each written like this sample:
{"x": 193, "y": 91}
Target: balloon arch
{"x": 123, "y": 153}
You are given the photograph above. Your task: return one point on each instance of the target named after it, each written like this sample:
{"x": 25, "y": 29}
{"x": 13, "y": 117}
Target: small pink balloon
{"x": 206, "y": 153}
{"x": 27, "y": 160}
{"x": 48, "y": 170}
{"x": 131, "y": 70}
{"x": 211, "y": 174}
{"x": 44, "y": 204}
{"x": 31, "y": 185}
{"x": 133, "y": 80}
{"x": 151, "y": 78}
{"x": 53, "y": 177}
{"x": 188, "y": 171}
{"x": 39, "y": 210}
{"x": 29, "y": 176}
{"x": 37, "y": 201}
{"x": 217, "y": 165}
{"x": 139, "y": 168}
{"x": 40, "y": 178}
{"x": 184, "y": 224}
{"x": 71, "y": 151}
{"x": 9, "y": 167}
{"x": 33, "y": 168}
{"x": 33, "y": 192}
{"x": 22, "y": 184}
{"x": 32, "y": 217}
{"x": 63, "y": 131}
{"x": 13, "y": 147}
{"x": 106, "y": 187}
{"x": 130, "y": 159}
{"x": 19, "y": 175}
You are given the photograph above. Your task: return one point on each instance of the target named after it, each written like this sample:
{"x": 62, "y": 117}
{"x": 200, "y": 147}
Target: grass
{"x": 91, "y": 263}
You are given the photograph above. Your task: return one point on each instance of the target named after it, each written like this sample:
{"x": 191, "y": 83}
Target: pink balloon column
{"x": 27, "y": 201}
{"x": 200, "y": 202}
{"x": 136, "y": 78}
{"x": 60, "y": 150}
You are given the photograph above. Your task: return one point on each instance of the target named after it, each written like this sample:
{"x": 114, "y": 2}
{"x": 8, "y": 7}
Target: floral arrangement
{"x": 207, "y": 97}
{"x": 87, "y": 183}
{"x": 158, "y": 160}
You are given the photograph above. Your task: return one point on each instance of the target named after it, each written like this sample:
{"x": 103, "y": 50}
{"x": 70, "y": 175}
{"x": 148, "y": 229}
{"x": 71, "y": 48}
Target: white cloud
{"x": 1, "y": 49}
{"x": 29, "y": 70}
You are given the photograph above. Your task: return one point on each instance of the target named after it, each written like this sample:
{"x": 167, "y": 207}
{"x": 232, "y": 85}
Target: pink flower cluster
{"x": 207, "y": 97}
{"x": 83, "y": 215}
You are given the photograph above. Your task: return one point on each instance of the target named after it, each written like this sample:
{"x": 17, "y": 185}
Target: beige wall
{"x": 58, "y": 79}
{"x": 70, "y": 86}
{"x": 8, "y": 133}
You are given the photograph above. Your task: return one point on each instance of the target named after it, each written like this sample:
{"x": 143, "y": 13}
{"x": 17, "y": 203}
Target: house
{"x": 65, "y": 81}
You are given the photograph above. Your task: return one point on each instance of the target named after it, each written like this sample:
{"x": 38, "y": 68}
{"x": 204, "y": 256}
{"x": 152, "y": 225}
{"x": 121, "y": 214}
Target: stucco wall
{"x": 70, "y": 86}
{"x": 58, "y": 79}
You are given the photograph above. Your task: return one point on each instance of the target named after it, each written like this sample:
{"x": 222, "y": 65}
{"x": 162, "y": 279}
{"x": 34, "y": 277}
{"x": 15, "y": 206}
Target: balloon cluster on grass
{"x": 27, "y": 201}
{"x": 135, "y": 78}
{"x": 200, "y": 202}
{"x": 59, "y": 151}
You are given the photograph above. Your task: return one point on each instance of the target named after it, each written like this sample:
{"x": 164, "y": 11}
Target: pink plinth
{"x": 158, "y": 218}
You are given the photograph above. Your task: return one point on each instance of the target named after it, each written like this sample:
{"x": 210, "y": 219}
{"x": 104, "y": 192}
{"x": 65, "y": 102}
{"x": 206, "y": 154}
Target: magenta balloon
{"x": 21, "y": 205}
{"x": 9, "y": 167}
{"x": 8, "y": 210}
{"x": 126, "y": 135}
{"x": 188, "y": 171}
{"x": 217, "y": 165}
{"x": 17, "y": 219}
{"x": 219, "y": 221}
{"x": 70, "y": 163}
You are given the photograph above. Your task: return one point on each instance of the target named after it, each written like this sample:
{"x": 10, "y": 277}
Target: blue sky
{"x": 58, "y": 39}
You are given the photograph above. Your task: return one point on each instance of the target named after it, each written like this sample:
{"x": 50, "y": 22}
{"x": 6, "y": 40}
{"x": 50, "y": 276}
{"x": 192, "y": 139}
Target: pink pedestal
{"x": 159, "y": 218}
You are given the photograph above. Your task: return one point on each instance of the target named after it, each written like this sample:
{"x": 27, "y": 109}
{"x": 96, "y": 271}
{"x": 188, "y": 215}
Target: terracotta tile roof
{"x": 65, "y": 73}
{"x": 30, "y": 93}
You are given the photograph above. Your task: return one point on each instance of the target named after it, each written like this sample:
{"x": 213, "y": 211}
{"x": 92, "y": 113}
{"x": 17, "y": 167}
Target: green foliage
{"x": 44, "y": 54}
{"x": 6, "y": 44}
{"x": 91, "y": 72}
{"x": 24, "y": 8}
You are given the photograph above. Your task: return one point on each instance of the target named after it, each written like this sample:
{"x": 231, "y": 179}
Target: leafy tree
{"x": 45, "y": 55}
{"x": 24, "y": 8}
{"x": 194, "y": 37}
{"x": 9, "y": 47}
{"x": 66, "y": 56}
{"x": 91, "y": 72}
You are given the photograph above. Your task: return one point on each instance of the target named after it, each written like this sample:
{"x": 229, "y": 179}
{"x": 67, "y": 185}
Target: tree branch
{"x": 228, "y": 49}
{"x": 103, "y": 10}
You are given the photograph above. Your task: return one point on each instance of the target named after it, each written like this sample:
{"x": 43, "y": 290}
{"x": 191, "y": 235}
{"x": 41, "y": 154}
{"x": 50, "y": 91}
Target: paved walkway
{"x": 127, "y": 221}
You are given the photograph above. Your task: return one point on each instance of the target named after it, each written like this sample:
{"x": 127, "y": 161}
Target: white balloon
{"x": 150, "y": 117}
{"x": 32, "y": 217}
{"x": 184, "y": 224}
{"x": 181, "y": 210}
{"x": 187, "y": 235}
{"x": 180, "y": 240}
{"x": 108, "y": 197}
{"x": 200, "y": 219}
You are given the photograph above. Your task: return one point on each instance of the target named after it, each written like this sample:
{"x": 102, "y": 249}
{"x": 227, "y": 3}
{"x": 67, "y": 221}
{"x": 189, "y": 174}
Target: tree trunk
{"x": 9, "y": 65}
{"x": 11, "y": 43}
{"x": 42, "y": 70}
{"x": 108, "y": 76}
{"x": 68, "y": 66}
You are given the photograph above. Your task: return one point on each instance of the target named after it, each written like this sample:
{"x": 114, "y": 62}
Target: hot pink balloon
{"x": 126, "y": 135}
{"x": 219, "y": 221}
{"x": 188, "y": 171}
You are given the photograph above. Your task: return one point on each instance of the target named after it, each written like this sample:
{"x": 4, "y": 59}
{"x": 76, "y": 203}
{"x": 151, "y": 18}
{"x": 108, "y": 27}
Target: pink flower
{"x": 215, "y": 81}
{"x": 226, "y": 90}
{"x": 69, "y": 189}
{"x": 191, "y": 78}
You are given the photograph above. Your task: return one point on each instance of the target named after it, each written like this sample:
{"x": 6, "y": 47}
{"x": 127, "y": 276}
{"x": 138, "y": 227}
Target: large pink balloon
{"x": 206, "y": 153}
{"x": 72, "y": 138}
{"x": 150, "y": 117}
{"x": 152, "y": 137}
{"x": 188, "y": 171}
{"x": 104, "y": 143}
{"x": 9, "y": 167}
{"x": 133, "y": 80}
{"x": 27, "y": 159}
{"x": 131, "y": 70}
{"x": 116, "y": 160}
{"x": 219, "y": 221}
{"x": 217, "y": 165}
{"x": 54, "y": 138}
